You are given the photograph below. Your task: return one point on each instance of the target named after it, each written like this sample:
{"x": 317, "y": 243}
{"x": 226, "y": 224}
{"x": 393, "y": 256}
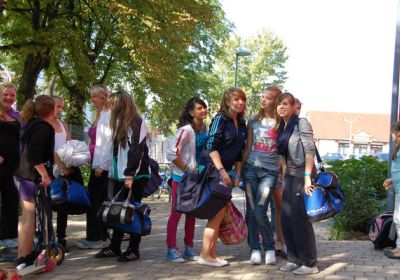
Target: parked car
{"x": 382, "y": 156}
{"x": 332, "y": 157}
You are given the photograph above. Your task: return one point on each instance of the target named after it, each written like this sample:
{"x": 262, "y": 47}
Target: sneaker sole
{"x": 176, "y": 260}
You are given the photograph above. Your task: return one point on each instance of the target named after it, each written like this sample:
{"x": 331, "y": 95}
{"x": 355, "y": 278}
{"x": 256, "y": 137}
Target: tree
{"x": 265, "y": 66}
{"x": 158, "y": 48}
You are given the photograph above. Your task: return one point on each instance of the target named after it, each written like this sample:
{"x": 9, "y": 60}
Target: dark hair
{"x": 278, "y": 101}
{"x": 396, "y": 130}
{"x": 224, "y": 108}
{"x": 42, "y": 106}
{"x": 185, "y": 117}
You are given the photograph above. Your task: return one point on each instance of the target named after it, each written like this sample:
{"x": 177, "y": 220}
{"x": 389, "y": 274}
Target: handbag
{"x": 202, "y": 195}
{"x": 69, "y": 196}
{"x": 326, "y": 200}
{"x": 140, "y": 224}
{"x": 233, "y": 228}
{"x": 155, "y": 179}
{"x": 117, "y": 211}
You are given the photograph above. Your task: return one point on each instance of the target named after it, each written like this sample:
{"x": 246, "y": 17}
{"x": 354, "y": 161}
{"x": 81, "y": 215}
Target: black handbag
{"x": 117, "y": 211}
{"x": 203, "y": 195}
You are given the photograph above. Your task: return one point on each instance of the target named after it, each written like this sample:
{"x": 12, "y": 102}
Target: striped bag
{"x": 233, "y": 228}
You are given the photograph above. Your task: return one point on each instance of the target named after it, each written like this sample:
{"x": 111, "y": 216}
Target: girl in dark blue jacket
{"x": 225, "y": 143}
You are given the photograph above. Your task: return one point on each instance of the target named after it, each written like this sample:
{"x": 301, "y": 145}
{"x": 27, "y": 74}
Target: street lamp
{"x": 240, "y": 52}
{"x": 350, "y": 122}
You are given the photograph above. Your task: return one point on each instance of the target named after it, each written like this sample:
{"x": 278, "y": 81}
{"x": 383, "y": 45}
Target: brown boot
{"x": 393, "y": 254}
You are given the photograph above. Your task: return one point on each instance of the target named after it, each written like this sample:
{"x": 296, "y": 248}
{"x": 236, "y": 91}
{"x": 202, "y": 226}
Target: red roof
{"x": 336, "y": 125}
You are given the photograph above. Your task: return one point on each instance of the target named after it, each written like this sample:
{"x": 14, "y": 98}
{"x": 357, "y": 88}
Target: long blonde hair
{"x": 102, "y": 90}
{"x": 42, "y": 106}
{"x": 123, "y": 112}
{"x": 228, "y": 94}
{"x": 261, "y": 112}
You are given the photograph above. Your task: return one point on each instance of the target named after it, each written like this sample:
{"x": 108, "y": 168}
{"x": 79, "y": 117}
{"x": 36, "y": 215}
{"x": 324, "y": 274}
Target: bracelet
{"x": 307, "y": 175}
{"x": 219, "y": 170}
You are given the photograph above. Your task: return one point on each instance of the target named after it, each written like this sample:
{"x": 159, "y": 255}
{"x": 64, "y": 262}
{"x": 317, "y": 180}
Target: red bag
{"x": 233, "y": 228}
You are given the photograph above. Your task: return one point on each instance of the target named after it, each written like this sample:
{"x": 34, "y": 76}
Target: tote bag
{"x": 233, "y": 228}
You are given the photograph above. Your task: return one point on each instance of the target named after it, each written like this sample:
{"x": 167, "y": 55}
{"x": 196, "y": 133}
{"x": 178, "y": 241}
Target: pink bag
{"x": 233, "y": 228}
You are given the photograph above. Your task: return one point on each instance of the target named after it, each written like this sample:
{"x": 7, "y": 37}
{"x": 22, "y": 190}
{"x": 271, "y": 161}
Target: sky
{"x": 341, "y": 52}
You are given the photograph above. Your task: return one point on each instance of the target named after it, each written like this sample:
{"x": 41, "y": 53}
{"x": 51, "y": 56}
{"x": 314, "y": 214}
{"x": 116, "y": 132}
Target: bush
{"x": 361, "y": 181}
{"x": 85, "y": 169}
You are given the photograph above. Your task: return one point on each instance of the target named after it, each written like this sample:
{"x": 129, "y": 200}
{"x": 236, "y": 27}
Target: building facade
{"x": 350, "y": 134}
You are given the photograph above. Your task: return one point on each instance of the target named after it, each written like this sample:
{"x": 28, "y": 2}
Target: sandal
{"x": 107, "y": 252}
{"x": 128, "y": 256}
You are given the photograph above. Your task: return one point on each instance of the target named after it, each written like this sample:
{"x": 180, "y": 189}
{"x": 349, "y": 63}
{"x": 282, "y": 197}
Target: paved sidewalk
{"x": 336, "y": 259}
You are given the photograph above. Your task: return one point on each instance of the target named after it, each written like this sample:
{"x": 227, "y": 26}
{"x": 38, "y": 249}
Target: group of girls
{"x": 275, "y": 142}
{"x": 118, "y": 134}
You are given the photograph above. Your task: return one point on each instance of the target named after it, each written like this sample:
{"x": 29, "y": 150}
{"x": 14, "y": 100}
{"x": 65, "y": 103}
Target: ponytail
{"x": 42, "y": 106}
{"x": 27, "y": 112}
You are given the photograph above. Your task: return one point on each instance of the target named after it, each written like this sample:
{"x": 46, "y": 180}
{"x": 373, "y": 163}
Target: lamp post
{"x": 240, "y": 52}
{"x": 350, "y": 122}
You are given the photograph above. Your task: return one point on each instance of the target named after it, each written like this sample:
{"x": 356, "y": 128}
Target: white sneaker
{"x": 85, "y": 244}
{"x": 270, "y": 257}
{"x": 289, "y": 266}
{"x": 255, "y": 257}
{"x": 303, "y": 270}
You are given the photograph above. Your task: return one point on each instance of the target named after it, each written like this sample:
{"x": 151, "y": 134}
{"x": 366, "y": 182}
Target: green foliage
{"x": 158, "y": 49}
{"x": 265, "y": 66}
{"x": 361, "y": 181}
{"x": 85, "y": 169}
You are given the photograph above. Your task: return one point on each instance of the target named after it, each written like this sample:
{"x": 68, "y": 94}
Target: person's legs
{"x": 286, "y": 219}
{"x": 267, "y": 181}
{"x": 9, "y": 205}
{"x": 210, "y": 237}
{"x": 97, "y": 188}
{"x": 27, "y": 228}
{"x": 277, "y": 197}
{"x": 173, "y": 219}
{"x": 251, "y": 184}
{"x": 395, "y": 253}
{"x": 303, "y": 232}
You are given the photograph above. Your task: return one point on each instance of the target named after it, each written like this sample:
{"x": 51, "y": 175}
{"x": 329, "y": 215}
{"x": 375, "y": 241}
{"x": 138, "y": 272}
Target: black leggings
{"x": 134, "y": 239}
{"x": 98, "y": 190}
{"x": 9, "y": 204}
{"x": 62, "y": 214}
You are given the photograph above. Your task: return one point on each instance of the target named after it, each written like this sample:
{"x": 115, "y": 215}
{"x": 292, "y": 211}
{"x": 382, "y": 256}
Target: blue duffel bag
{"x": 141, "y": 223}
{"x": 69, "y": 196}
{"x": 202, "y": 195}
{"x": 326, "y": 200}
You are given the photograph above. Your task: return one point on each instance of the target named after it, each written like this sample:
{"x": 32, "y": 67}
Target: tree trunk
{"x": 75, "y": 113}
{"x": 33, "y": 65}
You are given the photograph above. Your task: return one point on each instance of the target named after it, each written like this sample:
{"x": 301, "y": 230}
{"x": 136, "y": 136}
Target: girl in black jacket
{"x": 129, "y": 168}
{"x": 38, "y": 144}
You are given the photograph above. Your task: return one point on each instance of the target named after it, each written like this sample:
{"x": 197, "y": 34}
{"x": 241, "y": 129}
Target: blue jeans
{"x": 259, "y": 183}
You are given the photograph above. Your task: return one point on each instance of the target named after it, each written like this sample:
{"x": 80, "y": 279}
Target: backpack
{"x": 326, "y": 200}
{"x": 380, "y": 230}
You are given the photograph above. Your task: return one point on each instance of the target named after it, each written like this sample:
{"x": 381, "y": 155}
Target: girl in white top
{"x": 61, "y": 136}
{"x": 100, "y": 147}
{"x": 184, "y": 152}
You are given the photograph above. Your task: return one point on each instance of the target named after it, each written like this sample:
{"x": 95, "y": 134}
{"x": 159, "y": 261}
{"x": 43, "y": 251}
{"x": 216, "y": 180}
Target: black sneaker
{"x": 107, "y": 252}
{"x": 63, "y": 242}
{"x": 129, "y": 256}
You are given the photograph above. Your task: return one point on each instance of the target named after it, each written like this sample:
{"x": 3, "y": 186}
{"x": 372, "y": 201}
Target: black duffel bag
{"x": 203, "y": 195}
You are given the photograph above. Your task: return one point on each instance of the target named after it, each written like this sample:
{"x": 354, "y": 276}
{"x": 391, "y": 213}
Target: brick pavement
{"x": 336, "y": 259}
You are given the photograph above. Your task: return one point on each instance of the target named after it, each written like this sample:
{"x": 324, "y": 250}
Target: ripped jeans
{"x": 259, "y": 183}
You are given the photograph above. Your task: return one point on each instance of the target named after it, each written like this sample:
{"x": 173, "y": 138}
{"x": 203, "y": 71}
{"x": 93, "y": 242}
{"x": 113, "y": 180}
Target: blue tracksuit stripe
{"x": 213, "y": 130}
